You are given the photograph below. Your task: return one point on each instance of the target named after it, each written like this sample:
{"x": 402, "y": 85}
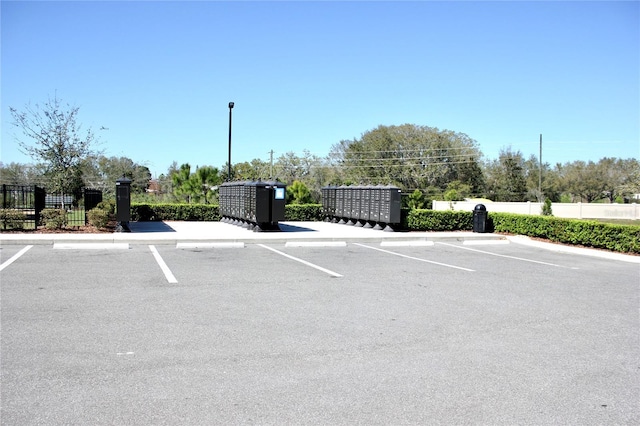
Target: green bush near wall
{"x": 210, "y": 212}
{"x": 303, "y": 212}
{"x": 191, "y": 212}
{"x": 620, "y": 238}
{"x": 432, "y": 220}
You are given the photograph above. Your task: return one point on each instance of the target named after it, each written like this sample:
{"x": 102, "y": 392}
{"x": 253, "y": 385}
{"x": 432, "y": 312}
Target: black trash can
{"x": 480, "y": 218}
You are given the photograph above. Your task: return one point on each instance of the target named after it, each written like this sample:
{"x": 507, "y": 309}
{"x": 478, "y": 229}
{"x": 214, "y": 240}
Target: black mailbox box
{"x": 123, "y": 204}
{"x": 254, "y": 205}
{"x": 363, "y": 205}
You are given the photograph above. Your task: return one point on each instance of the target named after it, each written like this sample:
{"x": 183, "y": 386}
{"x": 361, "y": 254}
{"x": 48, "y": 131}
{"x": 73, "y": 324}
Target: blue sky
{"x": 305, "y": 75}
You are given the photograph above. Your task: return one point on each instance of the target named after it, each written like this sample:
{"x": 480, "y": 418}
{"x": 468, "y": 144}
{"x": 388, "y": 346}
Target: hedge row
{"x": 210, "y": 212}
{"x": 620, "y": 238}
{"x": 192, "y": 212}
{"x": 432, "y": 220}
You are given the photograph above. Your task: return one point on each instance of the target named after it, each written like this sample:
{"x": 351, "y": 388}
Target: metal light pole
{"x": 229, "y": 162}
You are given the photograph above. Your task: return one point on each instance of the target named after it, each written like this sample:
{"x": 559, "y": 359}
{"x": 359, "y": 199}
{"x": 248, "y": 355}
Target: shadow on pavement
{"x": 292, "y": 228}
{"x": 141, "y": 227}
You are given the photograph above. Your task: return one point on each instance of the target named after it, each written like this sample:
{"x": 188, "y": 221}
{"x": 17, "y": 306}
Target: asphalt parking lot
{"x": 317, "y": 333}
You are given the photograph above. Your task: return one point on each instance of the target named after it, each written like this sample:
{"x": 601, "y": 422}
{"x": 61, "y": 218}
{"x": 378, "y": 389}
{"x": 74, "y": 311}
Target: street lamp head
{"x": 230, "y": 105}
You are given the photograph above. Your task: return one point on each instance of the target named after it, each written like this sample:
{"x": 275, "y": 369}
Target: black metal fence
{"x": 22, "y": 206}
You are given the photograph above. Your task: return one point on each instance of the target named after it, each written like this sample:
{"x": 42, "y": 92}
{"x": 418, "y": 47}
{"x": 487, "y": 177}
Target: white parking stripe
{"x": 416, "y": 243}
{"x": 315, "y": 244}
{"x": 504, "y": 255}
{"x": 485, "y": 242}
{"x": 304, "y": 262}
{"x": 209, "y": 245}
{"x": 415, "y": 258}
{"x": 14, "y": 257}
{"x": 165, "y": 269}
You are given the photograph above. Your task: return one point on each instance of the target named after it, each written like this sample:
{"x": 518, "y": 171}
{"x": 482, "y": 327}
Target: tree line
{"x": 438, "y": 164}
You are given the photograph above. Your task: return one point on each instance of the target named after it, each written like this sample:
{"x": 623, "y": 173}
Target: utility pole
{"x": 229, "y": 162}
{"x": 271, "y": 167}
{"x": 540, "y": 171}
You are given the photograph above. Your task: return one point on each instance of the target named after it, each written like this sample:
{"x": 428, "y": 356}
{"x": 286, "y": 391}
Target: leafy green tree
{"x": 546, "y": 208}
{"x": 21, "y": 174}
{"x": 298, "y": 193}
{"x": 410, "y": 156}
{"x": 252, "y": 171}
{"x": 416, "y": 200}
{"x": 55, "y": 139}
{"x": 204, "y": 182}
{"x": 101, "y": 172}
{"x": 621, "y": 177}
{"x": 585, "y": 181}
{"x": 198, "y": 187}
{"x": 182, "y": 188}
{"x": 506, "y": 178}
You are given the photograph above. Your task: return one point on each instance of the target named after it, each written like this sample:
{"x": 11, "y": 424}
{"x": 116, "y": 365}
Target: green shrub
{"x": 620, "y": 238}
{"x": 432, "y": 220}
{"x": 546, "y": 208}
{"x": 54, "y": 218}
{"x": 12, "y": 219}
{"x": 189, "y": 212}
{"x": 415, "y": 200}
{"x": 303, "y": 212}
{"x": 98, "y": 217}
{"x": 108, "y": 206}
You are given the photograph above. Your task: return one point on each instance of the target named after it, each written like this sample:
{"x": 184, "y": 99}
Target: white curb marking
{"x": 90, "y": 246}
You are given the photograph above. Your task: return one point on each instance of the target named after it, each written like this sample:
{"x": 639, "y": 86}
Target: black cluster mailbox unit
{"x": 257, "y": 206}
{"x": 123, "y": 204}
{"x": 367, "y": 206}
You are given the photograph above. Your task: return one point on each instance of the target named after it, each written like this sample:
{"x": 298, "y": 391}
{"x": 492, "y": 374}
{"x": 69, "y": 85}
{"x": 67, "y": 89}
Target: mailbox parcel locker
{"x": 123, "y": 204}
{"x": 380, "y": 205}
{"x": 254, "y": 205}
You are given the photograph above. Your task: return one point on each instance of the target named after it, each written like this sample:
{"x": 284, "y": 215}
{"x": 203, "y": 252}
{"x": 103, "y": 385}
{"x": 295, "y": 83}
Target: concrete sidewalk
{"x": 173, "y": 232}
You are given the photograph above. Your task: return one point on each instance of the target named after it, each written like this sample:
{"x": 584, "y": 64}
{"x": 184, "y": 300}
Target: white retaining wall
{"x": 568, "y": 210}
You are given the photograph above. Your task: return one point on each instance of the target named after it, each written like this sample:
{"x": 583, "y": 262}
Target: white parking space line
{"x": 315, "y": 244}
{"x": 505, "y": 256}
{"x": 209, "y": 245}
{"x": 485, "y": 242}
{"x": 414, "y": 243}
{"x": 415, "y": 258}
{"x": 304, "y": 262}
{"x": 91, "y": 246}
{"x": 165, "y": 269}
{"x": 14, "y": 257}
